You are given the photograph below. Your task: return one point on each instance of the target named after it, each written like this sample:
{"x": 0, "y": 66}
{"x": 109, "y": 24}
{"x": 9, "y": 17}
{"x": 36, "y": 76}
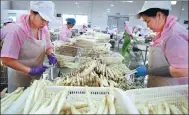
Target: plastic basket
{"x": 170, "y": 94}
{"x": 77, "y": 94}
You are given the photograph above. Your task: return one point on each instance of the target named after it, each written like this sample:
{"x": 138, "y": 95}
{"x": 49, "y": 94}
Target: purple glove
{"x": 38, "y": 70}
{"x": 52, "y": 59}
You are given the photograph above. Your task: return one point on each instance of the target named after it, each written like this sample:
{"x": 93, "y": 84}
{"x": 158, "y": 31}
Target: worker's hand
{"x": 52, "y": 59}
{"x": 38, "y": 70}
{"x": 141, "y": 71}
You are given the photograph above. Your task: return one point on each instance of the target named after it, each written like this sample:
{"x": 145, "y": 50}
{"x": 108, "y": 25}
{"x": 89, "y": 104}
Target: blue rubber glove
{"x": 38, "y": 70}
{"x": 141, "y": 71}
{"x": 52, "y": 59}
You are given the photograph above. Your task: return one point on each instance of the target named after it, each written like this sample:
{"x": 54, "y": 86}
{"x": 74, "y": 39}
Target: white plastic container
{"x": 77, "y": 94}
{"x": 171, "y": 94}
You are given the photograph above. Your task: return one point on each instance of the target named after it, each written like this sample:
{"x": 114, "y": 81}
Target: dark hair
{"x": 35, "y": 13}
{"x": 7, "y": 23}
{"x": 153, "y": 11}
{"x": 69, "y": 23}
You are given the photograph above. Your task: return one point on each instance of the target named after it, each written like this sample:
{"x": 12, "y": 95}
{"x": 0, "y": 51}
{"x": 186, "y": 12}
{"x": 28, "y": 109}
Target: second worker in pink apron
{"x": 168, "y": 56}
{"x": 27, "y": 43}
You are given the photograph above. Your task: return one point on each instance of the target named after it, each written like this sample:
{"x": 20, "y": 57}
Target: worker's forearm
{"x": 49, "y": 51}
{"x": 168, "y": 71}
{"x": 178, "y": 72}
{"x": 161, "y": 71}
{"x": 14, "y": 64}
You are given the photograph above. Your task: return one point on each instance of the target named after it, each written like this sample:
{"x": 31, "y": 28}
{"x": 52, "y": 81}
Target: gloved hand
{"x": 141, "y": 71}
{"x": 38, "y": 70}
{"x": 52, "y": 59}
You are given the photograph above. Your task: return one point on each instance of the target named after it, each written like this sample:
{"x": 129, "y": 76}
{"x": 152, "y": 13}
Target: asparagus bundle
{"x": 7, "y": 101}
{"x": 163, "y": 108}
{"x": 93, "y": 73}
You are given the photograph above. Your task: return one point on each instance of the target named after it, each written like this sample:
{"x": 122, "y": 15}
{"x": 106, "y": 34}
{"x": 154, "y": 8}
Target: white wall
{"x": 17, "y": 12}
{"x": 4, "y": 6}
{"x": 181, "y": 14}
{"x": 184, "y": 14}
{"x": 97, "y": 10}
{"x": 100, "y": 14}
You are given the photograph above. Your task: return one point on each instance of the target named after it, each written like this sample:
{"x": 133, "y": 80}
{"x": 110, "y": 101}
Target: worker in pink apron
{"x": 27, "y": 43}
{"x": 84, "y": 28}
{"x": 66, "y": 31}
{"x": 4, "y": 31}
{"x": 168, "y": 56}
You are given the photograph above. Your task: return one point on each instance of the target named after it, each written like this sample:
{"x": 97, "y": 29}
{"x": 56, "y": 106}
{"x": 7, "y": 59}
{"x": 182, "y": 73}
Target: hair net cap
{"x": 71, "y": 20}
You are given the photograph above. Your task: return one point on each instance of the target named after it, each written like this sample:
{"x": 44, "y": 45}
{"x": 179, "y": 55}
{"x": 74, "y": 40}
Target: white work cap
{"x": 45, "y": 9}
{"x": 7, "y": 20}
{"x": 166, "y": 5}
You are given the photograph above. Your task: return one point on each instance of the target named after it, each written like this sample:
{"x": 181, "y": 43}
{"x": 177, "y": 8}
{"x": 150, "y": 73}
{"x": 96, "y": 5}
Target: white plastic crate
{"x": 171, "y": 94}
{"x": 77, "y": 94}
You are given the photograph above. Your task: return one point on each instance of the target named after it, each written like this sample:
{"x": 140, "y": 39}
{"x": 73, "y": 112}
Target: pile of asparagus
{"x": 37, "y": 99}
{"x": 163, "y": 107}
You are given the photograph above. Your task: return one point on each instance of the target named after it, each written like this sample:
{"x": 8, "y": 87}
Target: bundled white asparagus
{"x": 38, "y": 102}
{"x": 56, "y": 104}
{"x": 92, "y": 107}
{"x": 162, "y": 108}
{"x": 36, "y": 92}
{"x": 152, "y": 109}
{"x": 49, "y": 109}
{"x": 30, "y": 99}
{"x": 107, "y": 105}
{"x": 52, "y": 105}
{"x": 61, "y": 102}
{"x": 96, "y": 74}
{"x": 146, "y": 111}
{"x": 111, "y": 103}
{"x": 14, "y": 92}
{"x": 102, "y": 105}
{"x": 105, "y": 109}
{"x": 6, "y": 102}
{"x": 67, "y": 106}
{"x": 18, "y": 106}
{"x": 3, "y": 92}
{"x": 183, "y": 109}
{"x": 120, "y": 68}
{"x": 166, "y": 108}
{"x": 185, "y": 102}
{"x": 74, "y": 110}
{"x": 175, "y": 110}
{"x": 45, "y": 103}
{"x": 93, "y": 73}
